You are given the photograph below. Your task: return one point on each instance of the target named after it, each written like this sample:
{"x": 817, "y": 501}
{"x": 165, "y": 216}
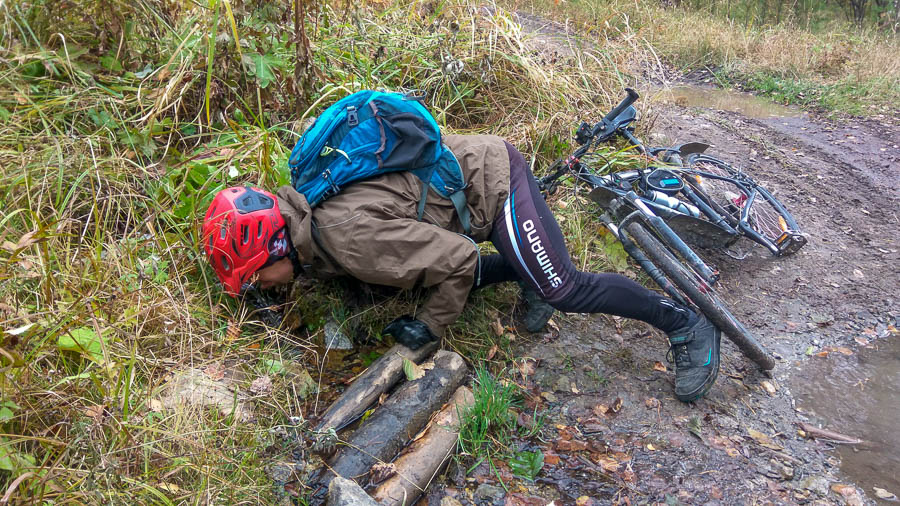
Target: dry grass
{"x": 850, "y": 69}
{"x": 107, "y": 159}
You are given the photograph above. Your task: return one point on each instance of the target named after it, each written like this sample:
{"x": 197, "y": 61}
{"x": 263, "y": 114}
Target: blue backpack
{"x": 370, "y": 133}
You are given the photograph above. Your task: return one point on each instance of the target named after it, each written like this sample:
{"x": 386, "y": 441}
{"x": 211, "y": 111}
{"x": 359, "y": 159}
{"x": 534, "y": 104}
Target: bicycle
{"x": 729, "y": 199}
{"x": 646, "y": 222}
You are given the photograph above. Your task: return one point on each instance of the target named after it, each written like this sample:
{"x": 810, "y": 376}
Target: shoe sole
{"x": 544, "y": 318}
{"x": 707, "y": 385}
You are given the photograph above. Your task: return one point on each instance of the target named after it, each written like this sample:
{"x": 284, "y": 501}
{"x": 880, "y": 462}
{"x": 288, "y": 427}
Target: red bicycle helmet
{"x": 242, "y": 230}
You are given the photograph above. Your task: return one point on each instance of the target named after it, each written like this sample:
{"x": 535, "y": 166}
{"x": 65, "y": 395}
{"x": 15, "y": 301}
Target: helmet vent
{"x": 259, "y": 230}
{"x": 225, "y": 264}
{"x": 245, "y": 234}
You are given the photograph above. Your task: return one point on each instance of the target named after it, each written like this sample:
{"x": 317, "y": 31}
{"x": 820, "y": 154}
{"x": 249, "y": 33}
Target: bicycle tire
{"x": 767, "y": 222}
{"x": 701, "y": 295}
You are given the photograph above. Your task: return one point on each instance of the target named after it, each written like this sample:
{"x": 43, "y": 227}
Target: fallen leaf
{"x": 650, "y": 447}
{"x": 651, "y": 402}
{"x": 694, "y": 426}
{"x": 548, "y": 396}
{"x": 849, "y": 493}
{"x": 233, "y": 332}
{"x": 215, "y": 371}
{"x": 884, "y": 494}
{"x": 27, "y": 240}
{"x": 156, "y": 405}
{"x": 822, "y": 354}
{"x": 573, "y": 445}
{"x": 659, "y": 366}
{"x": 608, "y": 464}
{"x": 169, "y": 487}
{"x": 617, "y": 405}
{"x": 732, "y": 452}
{"x": 492, "y": 352}
{"x": 551, "y": 459}
{"x": 261, "y": 385}
{"x": 768, "y": 386}
{"x": 583, "y": 500}
{"x": 413, "y": 371}
{"x": 600, "y": 409}
{"x": 763, "y": 439}
{"x": 19, "y": 330}
{"x": 844, "y": 351}
{"x": 861, "y": 341}
{"x": 497, "y": 327}
{"x": 96, "y": 411}
{"x": 527, "y": 367}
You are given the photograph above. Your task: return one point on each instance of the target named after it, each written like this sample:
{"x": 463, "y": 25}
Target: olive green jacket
{"x": 369, "y": 230}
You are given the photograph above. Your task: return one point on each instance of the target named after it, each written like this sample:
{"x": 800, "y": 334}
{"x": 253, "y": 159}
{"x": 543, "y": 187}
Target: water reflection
{"x": 724, "y": 100}
{"x": 859, "y": 395}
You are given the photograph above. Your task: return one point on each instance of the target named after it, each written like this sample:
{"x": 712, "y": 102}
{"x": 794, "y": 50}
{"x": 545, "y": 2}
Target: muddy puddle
{"x": 721, "y": 99}
{"x": 858, "y": 395}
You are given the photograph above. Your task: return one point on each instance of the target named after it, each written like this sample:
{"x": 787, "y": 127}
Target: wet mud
{"x": 614, "y": 432}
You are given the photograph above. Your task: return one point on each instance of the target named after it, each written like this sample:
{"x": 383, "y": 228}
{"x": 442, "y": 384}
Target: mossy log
{"x": 378, "y": 378}
{"x": 423, "y": 458}
{"x": 396, "y": 421}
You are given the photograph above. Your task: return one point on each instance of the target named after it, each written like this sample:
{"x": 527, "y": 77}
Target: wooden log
{"x": 424, "y": 457}
{"x": 380, "y": 376}
{"x": 396, "y": 421}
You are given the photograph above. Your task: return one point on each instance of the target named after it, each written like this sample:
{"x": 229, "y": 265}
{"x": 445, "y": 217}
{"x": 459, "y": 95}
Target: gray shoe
{"x": 695, "y": 351}
{"x": 538, "y": 312}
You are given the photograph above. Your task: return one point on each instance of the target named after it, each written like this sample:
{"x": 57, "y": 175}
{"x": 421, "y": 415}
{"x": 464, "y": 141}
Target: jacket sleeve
{"x": 403, "y": 253}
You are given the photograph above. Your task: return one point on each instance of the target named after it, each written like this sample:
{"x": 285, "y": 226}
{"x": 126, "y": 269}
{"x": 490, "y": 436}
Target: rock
{"x": 449, "y": 501}
{"x": 196, "y": 388}
{"x": 785, "y": 472}
{"x": 817, "y": 484}
{"x": 279, "y": 473}
{"x": 302, "y": 382}
{"x": 489, "y": 493}
{"x": 563, "y": 384}
{"x": 344, "y": 492}
{"x": 335, "y": 339}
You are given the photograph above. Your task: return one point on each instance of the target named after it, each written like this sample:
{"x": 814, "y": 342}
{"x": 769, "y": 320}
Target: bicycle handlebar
{"x": 627, "y": 101}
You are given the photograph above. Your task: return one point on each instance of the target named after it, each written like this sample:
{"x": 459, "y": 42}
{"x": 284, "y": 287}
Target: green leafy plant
{"x": 527, "y": 464}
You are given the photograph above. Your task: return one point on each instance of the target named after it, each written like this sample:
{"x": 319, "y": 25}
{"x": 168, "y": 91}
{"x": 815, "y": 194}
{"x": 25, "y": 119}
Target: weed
{"x": 488, "y": 426}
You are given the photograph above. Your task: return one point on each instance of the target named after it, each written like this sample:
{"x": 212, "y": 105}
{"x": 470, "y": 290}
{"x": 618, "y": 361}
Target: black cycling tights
{"x": 533, "y": 250}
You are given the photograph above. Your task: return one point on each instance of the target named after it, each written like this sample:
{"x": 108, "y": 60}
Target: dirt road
{"x": 614, "y": 431}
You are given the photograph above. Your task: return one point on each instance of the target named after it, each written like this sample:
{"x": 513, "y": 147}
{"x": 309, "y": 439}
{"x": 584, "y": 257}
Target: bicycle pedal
{"x": 790, "y": 242}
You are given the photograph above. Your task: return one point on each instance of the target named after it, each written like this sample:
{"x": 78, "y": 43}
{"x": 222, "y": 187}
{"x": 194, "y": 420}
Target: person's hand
{"x": 409, "y": 332}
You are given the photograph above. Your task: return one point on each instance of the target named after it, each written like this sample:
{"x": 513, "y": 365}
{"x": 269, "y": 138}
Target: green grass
{"x": 120, "y": 120}
{"x": 488, "y": 427}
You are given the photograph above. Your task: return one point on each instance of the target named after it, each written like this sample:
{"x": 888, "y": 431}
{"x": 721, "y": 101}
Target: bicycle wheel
{"x": 701, "y": 295}
{"x": 744, "y": 204}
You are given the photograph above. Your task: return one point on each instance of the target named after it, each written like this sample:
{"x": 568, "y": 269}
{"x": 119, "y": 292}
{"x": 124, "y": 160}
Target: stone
{"x": 449, "y": 501}
{"x": 489, "y": 492}
{"x": 335, "y": 339}
{"x": 817, "y": 484}
{"x": 344, "y": 492}
{"x": 563, "y": 384}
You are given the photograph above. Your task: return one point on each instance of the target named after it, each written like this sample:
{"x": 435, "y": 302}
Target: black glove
{"x": 409, "y": 332}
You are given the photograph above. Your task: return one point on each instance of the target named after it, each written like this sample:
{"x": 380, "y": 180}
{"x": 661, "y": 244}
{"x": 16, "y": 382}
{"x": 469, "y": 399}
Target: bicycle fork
{"x": 646, "y": 264}
{"x": 669, "y": 237}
